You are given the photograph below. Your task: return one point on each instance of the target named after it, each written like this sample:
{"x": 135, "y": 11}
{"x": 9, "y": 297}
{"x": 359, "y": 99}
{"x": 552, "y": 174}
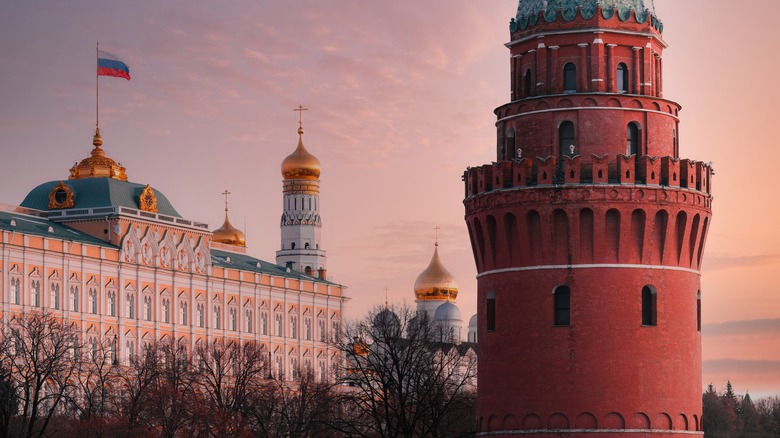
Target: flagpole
{"x": 97, "y": 90}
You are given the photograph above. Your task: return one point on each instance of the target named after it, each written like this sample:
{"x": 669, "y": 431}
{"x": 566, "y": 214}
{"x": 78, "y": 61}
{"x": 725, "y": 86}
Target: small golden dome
{"x": 228, "y": 234}
{"x": 435, "y": 283}
{"x": 98, "y": 165}
{"x": 301, "y": 164}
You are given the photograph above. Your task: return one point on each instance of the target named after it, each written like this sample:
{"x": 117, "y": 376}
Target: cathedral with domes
{"x": 117, "y": 260}
{"x": 436, "y": 293}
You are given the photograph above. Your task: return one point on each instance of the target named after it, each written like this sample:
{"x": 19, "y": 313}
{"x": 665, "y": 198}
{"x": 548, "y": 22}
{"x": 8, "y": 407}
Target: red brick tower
{"x": 588, "y": 233}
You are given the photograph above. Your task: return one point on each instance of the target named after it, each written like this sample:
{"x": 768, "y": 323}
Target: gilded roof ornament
{"x": 61, "y": 197}
{"x": 227, "y": 233}
{"x": 98, "y": 165}
{"x": 435, "y": 283}
{"x": 147, "y": 200}
{"x": 301, "y": 164}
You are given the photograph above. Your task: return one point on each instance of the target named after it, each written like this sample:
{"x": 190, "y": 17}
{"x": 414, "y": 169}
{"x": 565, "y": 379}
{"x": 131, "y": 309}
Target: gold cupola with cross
{"x": 227, "y": 233}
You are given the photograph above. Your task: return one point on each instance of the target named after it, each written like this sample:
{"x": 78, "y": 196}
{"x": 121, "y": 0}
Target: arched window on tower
{"x": 490, "y": 312}
{"x": 528, "y": 84}
{"x": 562, "y": 299}
{"x": 622, "y": 78}
{"x": 509, "y": 146}
{"x": 570, "y": 78}
{"x": 632, "y": 139}
{"x": 566, "y": 139}
{"x": 698, "y": 310}
{"x": 649, "y": 306}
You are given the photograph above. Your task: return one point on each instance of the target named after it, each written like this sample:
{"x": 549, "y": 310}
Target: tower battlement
{"x": 622, "y": 170}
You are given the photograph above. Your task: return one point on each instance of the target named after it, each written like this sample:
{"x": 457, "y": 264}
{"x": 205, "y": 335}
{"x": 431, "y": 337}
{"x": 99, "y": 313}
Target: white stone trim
{"x": 570, "y": 431}
{"x": 609, "y": 108}
{"x": 588, "y": 266}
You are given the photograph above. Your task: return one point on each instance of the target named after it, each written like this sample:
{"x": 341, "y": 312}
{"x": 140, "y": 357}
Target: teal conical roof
{"x": 530, "y": 11}
{"x": 527, "y": 8}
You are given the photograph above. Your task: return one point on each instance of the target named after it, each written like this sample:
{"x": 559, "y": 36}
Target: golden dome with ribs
{"x": 301, "y": 164}
{"x": 435, "y": 283}
{"x": 97, "y": 165}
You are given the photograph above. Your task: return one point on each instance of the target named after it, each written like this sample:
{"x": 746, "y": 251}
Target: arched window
{"x": 528, "y": 83}
{"x": 566, "y": 139}
{"x": 491, "y": 312}
{"x": 622, "y": 78}
{"x": 293, "y": 245}
{"x": 509, "y": 146}
{"x": 632, "y": 139}
{"x": 698, "y": 310}
{"x": 570, "y": 78}
{"x": 562, "y": 298}
{"x": 649, "y": 300}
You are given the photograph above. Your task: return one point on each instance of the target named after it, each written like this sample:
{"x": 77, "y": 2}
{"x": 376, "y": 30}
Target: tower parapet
{"x": 588, "y": 234}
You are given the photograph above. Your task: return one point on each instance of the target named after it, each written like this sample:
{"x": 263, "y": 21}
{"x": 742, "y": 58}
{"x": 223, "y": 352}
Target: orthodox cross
{"x": 300, "y": 110}
{"x": 386, "y": 290}
{"x": 436, "y": 229}
{"x": 226, "y": 193}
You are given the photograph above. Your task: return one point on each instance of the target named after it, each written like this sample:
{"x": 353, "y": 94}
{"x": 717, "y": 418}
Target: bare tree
{"x": 171, "y": 395}
{"x": 39, "y": 349}
{"x": 405, "y": 379}
{"x": 227, "y": 376}
{"x": 135, "y": 382}
{"x": 301, "y": 408}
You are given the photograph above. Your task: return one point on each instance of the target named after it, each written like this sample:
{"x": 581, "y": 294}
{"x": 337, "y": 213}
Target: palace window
{"x": 233, "y": 318}
{"x": 130, "y": 306}
{"x": 16, "y": 294}
{"x": 249, "y": 321}
{"x": 570, "y": 78}
{"x": 218, "y": 317}
{"x": 200, "y": 309}
{"x": 562, "y": 299}
{"x": 166, "y": 310}
{"x": 74, "y": 298}
{"x": 279, "y": 324}
{"x": 183, "y": 310}
{"x": 307, "y": 324}
{"x": 35, "y": 293}
{"x": 92, "y": 297}
{"x": 111, "y": 303}
{"x": 55, "y": 296}
{"x": 323, "y": 331}
{"x": 294, "y": 326}
{"x": 264, "y": 322}
{"x": 148, "y": 308}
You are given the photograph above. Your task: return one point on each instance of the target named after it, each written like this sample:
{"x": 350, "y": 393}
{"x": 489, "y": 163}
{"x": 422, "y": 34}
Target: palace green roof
{"x": 98, "y": 192}
{"x": 251, "y": 264}
{"x": 35, "y": 226}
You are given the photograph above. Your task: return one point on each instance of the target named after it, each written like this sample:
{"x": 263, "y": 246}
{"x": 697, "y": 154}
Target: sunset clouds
{"x": 401, "y": 96}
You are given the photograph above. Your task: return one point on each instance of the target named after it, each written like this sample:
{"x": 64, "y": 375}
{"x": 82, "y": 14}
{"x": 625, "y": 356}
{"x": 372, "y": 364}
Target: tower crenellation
{"x": 588, "y": 234}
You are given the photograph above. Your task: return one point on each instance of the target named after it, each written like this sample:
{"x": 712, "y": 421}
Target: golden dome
{"x": 228, "y": 234}
{"x": 301, "y": 164}
{"x": 435, "y": 283}
{"x": 98, "y": 165}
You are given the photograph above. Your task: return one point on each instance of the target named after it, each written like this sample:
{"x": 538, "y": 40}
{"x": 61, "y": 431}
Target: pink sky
{"x": 401, "y": 96}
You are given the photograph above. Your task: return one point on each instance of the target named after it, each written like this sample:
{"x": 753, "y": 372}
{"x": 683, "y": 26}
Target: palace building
{"x": 588, "y": 233}
{"x": 116, "y": 258}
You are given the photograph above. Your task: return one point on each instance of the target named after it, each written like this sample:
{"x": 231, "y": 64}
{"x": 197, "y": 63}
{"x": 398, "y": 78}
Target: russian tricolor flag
{"x": 110, "y": 65}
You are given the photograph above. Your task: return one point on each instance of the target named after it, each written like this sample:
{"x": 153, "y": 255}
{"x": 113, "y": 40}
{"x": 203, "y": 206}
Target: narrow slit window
{"x": 622, "y": 78}
{"x": 649, "y": 306}
{"x": 491, "y": 312}
{"x": 562, "y": 298}
{"x": 570, "y": 78}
